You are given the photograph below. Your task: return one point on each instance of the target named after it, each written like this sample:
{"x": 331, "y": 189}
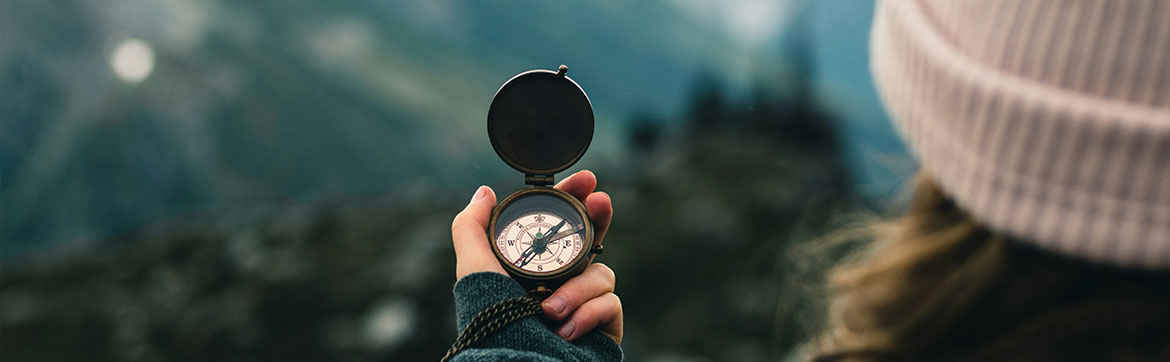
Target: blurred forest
{"x": 698, "y": 242}
{"x": 273, "y": 192}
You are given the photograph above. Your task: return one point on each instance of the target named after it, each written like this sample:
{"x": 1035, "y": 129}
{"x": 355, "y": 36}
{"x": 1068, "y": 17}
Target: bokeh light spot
{"x": 132, "y": 61}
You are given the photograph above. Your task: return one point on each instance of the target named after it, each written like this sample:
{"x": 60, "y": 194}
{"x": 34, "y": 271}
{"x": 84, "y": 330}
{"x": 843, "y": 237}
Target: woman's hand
{"x": 585, "y": 302}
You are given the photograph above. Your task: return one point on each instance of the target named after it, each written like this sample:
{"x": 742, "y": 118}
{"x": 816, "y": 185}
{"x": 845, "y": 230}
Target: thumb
{"x": 469, "y": 235}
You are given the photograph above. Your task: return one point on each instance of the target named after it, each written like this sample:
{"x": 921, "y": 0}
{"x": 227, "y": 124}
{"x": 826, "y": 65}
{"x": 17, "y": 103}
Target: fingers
{"x": 469, "y": 235}
{"x": 598, "y": 204}
{"x": 595, "y": 281}
{"x": 579, "y": 184}
{"x": 600, "y": 209}
{"x": 603, "y": 313}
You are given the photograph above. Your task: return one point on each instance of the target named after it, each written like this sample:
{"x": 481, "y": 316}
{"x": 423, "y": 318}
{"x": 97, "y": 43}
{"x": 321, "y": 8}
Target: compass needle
{"x": 563, "y": 234}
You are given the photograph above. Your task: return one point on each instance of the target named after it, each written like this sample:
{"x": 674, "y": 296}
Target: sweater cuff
{"x": 478, "y": 291}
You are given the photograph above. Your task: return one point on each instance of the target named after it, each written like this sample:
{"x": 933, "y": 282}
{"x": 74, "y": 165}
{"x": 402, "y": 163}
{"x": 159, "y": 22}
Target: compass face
{"x": 540, "y": 234}
{"x": 534, "y": 243}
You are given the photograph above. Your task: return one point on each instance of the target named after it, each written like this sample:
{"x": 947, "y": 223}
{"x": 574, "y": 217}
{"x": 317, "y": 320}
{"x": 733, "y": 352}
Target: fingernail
{"x": 479, "y": 194}
{"x": 567, "y": 330}
{"x": 556, "y": 304}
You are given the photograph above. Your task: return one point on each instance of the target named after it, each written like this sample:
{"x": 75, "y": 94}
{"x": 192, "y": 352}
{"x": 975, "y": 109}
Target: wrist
{"x": 480, "y": 290}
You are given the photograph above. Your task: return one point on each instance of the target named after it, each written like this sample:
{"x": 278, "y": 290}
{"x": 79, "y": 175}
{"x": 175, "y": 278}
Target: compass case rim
{"x": 547, "y": 106}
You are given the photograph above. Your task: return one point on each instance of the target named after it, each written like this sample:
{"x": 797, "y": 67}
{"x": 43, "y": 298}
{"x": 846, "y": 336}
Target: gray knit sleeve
{"x": 527, "y": 339}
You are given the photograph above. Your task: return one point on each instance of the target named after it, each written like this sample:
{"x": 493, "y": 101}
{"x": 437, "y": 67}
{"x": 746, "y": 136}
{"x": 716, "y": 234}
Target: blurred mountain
{"x": 700, "y": 242}
{"x": 266, "y": 101}
{"x": 280, "y": 186}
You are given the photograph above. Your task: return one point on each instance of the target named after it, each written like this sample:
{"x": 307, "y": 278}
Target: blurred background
{"x": 275, "y": 180}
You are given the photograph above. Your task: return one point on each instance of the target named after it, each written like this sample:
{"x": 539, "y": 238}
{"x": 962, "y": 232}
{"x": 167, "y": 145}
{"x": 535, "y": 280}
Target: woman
{"x": 1040, "y": 226}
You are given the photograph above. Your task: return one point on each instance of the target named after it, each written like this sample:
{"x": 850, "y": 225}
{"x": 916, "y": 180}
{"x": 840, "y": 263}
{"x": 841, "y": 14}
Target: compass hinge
{"x": 538, "y": 180}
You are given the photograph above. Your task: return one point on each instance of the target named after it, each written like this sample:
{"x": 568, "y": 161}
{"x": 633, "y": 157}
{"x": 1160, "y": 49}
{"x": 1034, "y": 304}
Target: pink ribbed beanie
{"x": 1046, "y": 120}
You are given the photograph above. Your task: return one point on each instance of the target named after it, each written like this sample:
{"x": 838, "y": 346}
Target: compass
{"x": 541, "y": 123}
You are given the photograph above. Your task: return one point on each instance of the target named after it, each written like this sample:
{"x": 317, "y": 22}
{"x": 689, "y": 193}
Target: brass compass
{"x": 541, "y": 123}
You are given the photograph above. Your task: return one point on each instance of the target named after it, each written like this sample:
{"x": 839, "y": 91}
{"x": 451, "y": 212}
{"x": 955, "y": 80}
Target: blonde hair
{"x": 936, "y": 285}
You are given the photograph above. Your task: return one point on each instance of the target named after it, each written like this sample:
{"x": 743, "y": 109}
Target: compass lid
{"x": 540, "y": 122}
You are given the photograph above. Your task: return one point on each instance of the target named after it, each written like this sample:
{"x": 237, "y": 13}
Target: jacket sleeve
{"x": 529, "y": 338}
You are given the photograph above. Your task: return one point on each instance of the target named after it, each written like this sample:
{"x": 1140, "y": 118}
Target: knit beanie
{"x": 1048, "y": 121}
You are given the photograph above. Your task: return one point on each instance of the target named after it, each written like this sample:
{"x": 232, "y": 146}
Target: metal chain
{"x": 491, "y": 319}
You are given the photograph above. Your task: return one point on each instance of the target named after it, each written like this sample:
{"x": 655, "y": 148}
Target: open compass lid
{"x": 540, "y": 123}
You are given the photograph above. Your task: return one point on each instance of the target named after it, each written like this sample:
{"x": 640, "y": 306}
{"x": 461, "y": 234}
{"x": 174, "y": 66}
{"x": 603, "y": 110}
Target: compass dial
{"x": 542, "y": 233}
{"x": 540, "y": 242}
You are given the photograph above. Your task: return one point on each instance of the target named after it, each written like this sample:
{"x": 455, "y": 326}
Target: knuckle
{"x": 604, "y": 195}
{"x": 602, "y": 308}
{"x": 464, "y": 223}
{"x": 614, "y": 300}
{"x": 615, "y": 305}
{"x": 605, "y": 272}
{"x": 455, "y": 222}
